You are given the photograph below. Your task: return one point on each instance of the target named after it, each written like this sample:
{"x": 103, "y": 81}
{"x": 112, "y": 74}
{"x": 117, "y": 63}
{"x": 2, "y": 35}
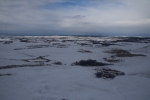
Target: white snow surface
{"x": 66, "y": 82}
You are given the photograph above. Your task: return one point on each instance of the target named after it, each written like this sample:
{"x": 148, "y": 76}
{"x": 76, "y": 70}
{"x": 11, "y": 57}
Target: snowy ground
{"x": 36, "y": 77}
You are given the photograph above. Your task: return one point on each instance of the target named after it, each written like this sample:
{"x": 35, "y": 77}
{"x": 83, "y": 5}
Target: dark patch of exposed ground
{"x": 40, "y": 58}
{"x": 5, "y": 74}
{"x": 122, "y": 53}
{"x": 113, "y": 59}
{"x": 84, "y": 51}
{"x": 90, "y": 62}
{"x": 108, "y": 73}
{"x": 24, "y": 65}
{"x": 58, "y": 63}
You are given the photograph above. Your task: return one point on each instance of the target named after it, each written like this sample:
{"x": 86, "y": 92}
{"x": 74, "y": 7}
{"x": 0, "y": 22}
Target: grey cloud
{"x": 75, "y": 17}
{"x": 26, "y": 16}
{"x": 78, "y": 17}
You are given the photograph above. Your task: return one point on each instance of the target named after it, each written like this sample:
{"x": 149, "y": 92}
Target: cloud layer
{"x": 75, "y": 17}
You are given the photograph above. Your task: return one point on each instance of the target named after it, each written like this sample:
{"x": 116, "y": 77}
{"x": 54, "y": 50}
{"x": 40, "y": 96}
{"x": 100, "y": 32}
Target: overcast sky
{"x": 75, "y": 17}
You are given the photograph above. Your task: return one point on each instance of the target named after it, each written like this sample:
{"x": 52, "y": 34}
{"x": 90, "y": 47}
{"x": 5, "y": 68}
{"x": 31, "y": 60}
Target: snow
{"x": 58, "y": 82}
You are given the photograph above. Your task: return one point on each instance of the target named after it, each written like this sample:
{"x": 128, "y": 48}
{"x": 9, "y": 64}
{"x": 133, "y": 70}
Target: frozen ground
{"x": 30, "y": 69}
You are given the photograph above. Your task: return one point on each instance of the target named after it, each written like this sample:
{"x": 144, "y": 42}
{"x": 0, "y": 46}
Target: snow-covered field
{"x": 40, "y": 68}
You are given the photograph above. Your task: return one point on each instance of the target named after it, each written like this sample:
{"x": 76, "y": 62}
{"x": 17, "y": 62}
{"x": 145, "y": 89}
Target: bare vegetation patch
{"x": 90, "y": 62}
{"x": 5, "y": 74}
{"x": 8, "y": 42}
{"x": 62, "y": 46}
{"x": 122, "y": 53}
{"x": 108, "y": 73}
{"x": 59, "y": 45}
{"x": 33, "y": 47}
{"x": 84, "y": 51}
{"x": 37, "y": 46}
{"x": 112, "y": 59}
{"x": 144, "y": 74}
{"x": 24, "y": 65}
{"x": 37, "y": 59}
{"x": 85, "y": 44}
{"x": 58, "y": 63}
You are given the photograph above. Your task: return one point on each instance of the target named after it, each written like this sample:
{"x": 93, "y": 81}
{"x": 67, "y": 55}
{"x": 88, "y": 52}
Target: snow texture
{"x": 51, "y": 81}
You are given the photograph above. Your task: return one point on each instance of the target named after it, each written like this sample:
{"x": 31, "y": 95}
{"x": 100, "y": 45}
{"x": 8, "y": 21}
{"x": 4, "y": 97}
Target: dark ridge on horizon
{"x": 74, "y": 35}
{"x": 59, "y": 35}
{"x": 79, "y": 35}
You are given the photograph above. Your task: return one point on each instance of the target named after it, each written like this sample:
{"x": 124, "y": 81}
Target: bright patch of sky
{"x": 102, "y": 4}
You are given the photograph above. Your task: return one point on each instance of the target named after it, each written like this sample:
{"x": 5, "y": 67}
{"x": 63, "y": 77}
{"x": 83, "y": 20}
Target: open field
{"x": 74, "y": 68}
